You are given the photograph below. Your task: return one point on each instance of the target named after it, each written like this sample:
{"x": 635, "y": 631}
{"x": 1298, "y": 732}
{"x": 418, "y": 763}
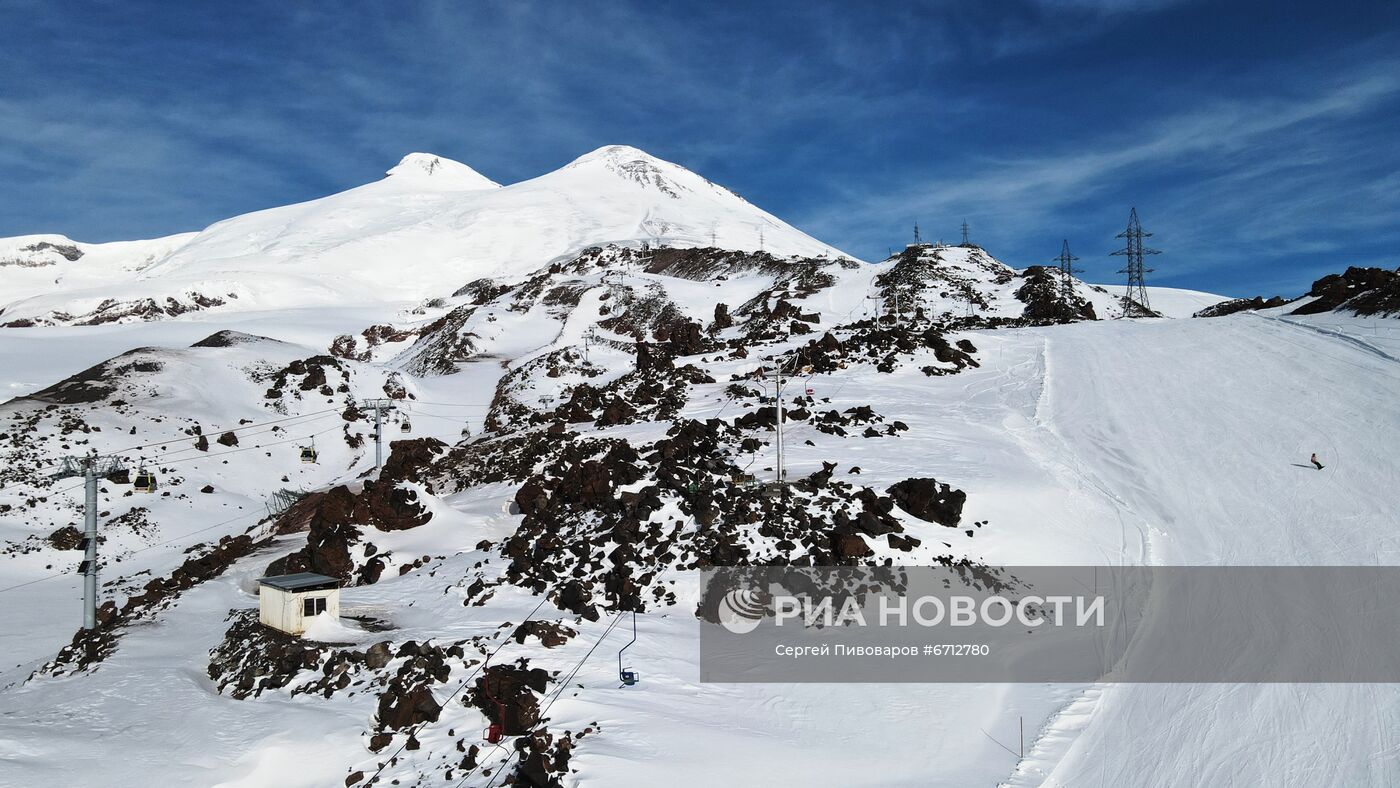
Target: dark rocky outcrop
{"x": 1365, "y": 291}
{"x": 1237, "y": 305}
{"x": 334, "y": 519}
{"x": 507, "y": 695}
{"x": 929, "y": 500}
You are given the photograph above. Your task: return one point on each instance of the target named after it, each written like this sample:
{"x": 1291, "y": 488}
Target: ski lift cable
{"x": 563, "y": 685}
{"x": 166, "y": 461}
{"x": 137, "y": 550}
{"x": 245, "y": 427}
{"x": 247, "y": 448}
{"x": 543, "y": 598}
{"x": 627, "y": 677}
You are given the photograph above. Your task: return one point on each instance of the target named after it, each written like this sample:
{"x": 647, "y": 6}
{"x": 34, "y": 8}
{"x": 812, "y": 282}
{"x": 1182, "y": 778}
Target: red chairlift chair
{"x": 496, "y": 730}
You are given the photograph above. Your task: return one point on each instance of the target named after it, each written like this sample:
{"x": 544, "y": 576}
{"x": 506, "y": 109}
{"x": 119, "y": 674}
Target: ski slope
{"x": 1202, "y": 434}
{"x": 1155, "y": 441}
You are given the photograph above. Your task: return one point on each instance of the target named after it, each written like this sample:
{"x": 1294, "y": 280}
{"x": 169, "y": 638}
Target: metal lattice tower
{"x": 1135, "y": 302}
{"x": 1067, "y": 272}
{"x": 965, "y": 242}
{"x": 916, "y": 232}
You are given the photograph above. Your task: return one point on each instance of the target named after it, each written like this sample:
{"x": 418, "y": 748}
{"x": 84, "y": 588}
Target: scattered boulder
{"x": 929, "y": 500}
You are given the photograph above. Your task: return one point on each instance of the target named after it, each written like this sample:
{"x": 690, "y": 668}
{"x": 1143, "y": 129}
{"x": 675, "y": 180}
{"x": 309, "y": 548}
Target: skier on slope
{"x": 1315, "y": 462}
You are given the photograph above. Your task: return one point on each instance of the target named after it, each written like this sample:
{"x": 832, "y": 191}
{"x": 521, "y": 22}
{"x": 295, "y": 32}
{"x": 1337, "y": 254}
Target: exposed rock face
{"x": 1365, "y": 291}
{"x": 1044, "y": 300}
{"x": 98, "y": 382}
{"x": 114, "y": 311}
{"x": 551, "y": 634}
{"x": 307, "y": 375}
{"x": 90, "y": 647}
{"x": 334, "y": 519}
{"x": 229, "y": 338}
{"x": 929, "y": 500}
{"x": 68, "y": 252}
{"x": 1240, "y": 305}
{"x": 66, "y": 538}
{"x": 506, "y": 694}
{"x": 253, "y": 658}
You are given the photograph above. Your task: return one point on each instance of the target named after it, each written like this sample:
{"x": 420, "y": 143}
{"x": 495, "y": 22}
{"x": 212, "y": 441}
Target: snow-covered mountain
{"x": 428, "y": 227}
{"x": 580, "y": 424}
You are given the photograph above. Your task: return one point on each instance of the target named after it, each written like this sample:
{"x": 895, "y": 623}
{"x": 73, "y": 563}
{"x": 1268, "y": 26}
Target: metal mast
{"x": 380, "y": 407}
{"x": 777, "y": 373}
{"x": 91, "y": 468}
{"x": 1135, "y": 302}
{"x": 1067, "y": 272}
{"x": 965, "y": 242}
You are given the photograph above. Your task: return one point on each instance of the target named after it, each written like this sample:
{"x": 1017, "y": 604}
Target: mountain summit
{"x": 429, "y": 227}
{"x": 427, "y": 168}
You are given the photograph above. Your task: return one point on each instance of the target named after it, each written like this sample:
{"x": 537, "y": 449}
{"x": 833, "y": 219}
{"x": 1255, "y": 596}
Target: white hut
{"x": 288, "y": 602}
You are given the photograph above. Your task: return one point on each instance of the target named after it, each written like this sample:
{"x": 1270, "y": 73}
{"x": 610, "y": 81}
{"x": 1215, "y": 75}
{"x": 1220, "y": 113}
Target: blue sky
{"x": 1259, "y": 141}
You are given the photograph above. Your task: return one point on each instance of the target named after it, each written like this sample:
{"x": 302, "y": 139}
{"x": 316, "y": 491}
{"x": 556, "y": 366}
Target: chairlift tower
{"x": 1135, "y": 297}
{"x": 590, "y": 337}
{"x": 1067, "y": 272}
{"x": 379, "y": 407}
{"x": 777, "y": 374}
{"x": 90, "y": 468}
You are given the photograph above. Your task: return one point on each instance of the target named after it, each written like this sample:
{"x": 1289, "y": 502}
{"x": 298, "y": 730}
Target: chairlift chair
{"x": 627, "y": 676}
{"x": 496, "y": 730}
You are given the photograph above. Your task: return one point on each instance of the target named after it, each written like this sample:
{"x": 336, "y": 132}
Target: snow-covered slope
{"x": 1172, "y": 301}
{"x": 33, "y": 265}
{"x": 1100, "y": 442}
{"x": 429, "y": 227}
{"x": 581, "y": 420}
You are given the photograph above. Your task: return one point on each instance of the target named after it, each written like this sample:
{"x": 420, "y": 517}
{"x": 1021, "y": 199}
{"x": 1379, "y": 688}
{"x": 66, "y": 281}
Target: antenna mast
{"x": 965, "y": 242}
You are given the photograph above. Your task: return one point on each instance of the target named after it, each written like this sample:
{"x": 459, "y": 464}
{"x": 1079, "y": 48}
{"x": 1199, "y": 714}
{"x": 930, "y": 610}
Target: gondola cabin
{"x": 288, "y": 603}
{"x": 145, "y": 482}
{"x": 308, "y": 454}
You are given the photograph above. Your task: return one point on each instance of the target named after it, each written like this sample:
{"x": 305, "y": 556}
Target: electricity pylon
{"x": 1135, "y": 302}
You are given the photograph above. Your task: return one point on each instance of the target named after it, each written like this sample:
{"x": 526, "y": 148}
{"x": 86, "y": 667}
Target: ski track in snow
{"x": 1107, "y": 443}
{"x": 1114, "y": 442}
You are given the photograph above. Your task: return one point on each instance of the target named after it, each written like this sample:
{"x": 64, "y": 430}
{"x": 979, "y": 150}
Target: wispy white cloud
{"x": 1222, "y": 176}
